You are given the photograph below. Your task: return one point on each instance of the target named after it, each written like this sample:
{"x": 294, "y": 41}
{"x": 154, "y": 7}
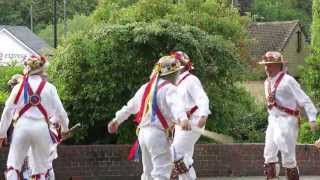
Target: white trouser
{"x": 183, "y": 147}
{"x": 26, "y": 170}
{"x": 156, "y": 157}
{"x": 29, "y": 134}
{"x": 281, "y": 135}
{"x": 52, "y": 156}
{"x": 50, "y": 172}
{"x": 51, "y": 175}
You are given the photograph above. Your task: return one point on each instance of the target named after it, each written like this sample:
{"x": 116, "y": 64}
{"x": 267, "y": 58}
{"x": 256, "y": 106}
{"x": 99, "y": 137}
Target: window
{"x": 299, "y": 37}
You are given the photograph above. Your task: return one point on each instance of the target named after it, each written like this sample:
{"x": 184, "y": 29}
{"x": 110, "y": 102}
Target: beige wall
{"x": 292, "y": 56}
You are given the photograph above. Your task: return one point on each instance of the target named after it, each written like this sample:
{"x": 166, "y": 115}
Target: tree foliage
{"x": 14, "y": 12}
{"x": 283, "y": 10}
{"x": 17, "y": 12}
{"x": 306, "y": 136}
{"x": 311, "y": 73}
{"x": 315, "y": 29}
{"x": 75, "y": 25}
{"x": 213, "y": 16}
{"x": 5, "y": 75}
{"x": 99, "y": 71}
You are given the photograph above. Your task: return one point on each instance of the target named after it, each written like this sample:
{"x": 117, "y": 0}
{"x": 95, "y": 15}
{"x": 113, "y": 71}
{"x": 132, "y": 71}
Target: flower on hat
{"x": 34, "y": 64}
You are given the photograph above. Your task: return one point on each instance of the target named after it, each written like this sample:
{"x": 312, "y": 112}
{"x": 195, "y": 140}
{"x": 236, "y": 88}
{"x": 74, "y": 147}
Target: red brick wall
{"x": 109, "y": 161}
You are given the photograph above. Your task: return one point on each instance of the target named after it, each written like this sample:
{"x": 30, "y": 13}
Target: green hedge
{"x": 305, "y": 135}
{"x": 315, "y": 28}
{"x": 5, "y": 75}
{"x": 311, "y": 76}
{"x": 311, "y": 73}
{"x": 216, "y": 17}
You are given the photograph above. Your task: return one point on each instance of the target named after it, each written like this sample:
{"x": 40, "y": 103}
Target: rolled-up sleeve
{"x": 60, "y": 112}
{"x": 303, "y": 100}
{"x": 199, "y": 96}
{"x": 132, "y": 106}
{"x": 8, "y": 113}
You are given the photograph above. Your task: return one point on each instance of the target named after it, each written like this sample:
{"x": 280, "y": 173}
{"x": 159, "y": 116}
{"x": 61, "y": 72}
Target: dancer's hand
{"x": 313, "y": 126}
{"x": 113, "y": 127}
{"x": 65, "y": 135}
{"x": 185, "y": 125}
{"x": 317, "y": 143}
{"x": 202, "y": 121}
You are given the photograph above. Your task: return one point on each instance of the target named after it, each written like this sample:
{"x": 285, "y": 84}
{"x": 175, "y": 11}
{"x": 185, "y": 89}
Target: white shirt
{"x": 49, "y": 99}
{"x": 169, "y": 103}
{"x": 193, "y": 94}
{"x": 290, "y": 95}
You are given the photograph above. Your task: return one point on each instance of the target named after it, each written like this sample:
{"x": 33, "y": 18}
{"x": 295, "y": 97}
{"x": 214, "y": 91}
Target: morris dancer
{"x": 284, "y": 98}
{"x": 55, "y": 125}
{"x": 157, "y": 105}
{"x": 35, "y": 100}
{"x": 197, "y": 107}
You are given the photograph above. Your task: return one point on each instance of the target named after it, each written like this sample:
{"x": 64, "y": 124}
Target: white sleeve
{"x": 132, "y": 106}
{"x": 199, "y": 96}
{"x": 175, "y": 104}
{"x": 60, "y": 112}
{"x": 8, "y": 113}
{"x": 303, "y": 100}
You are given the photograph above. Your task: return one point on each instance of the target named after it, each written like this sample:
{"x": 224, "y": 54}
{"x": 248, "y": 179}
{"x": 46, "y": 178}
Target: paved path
{"x": 257, "y": 178}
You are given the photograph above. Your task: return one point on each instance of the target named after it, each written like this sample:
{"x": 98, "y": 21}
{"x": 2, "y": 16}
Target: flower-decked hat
{"x": 183, "y": 59}
{"x": 168, "y": 65}
{"x": 272, "y": 57}
{"x": 34, "y": 64}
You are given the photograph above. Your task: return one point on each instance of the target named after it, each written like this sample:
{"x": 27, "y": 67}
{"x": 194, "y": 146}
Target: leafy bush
{"x": 283, "y": 10}
{"x": 5, "y": 75}
{"x": 306, "y": 136}
{"x": 311, "y": 73}
{"x": 311, "y": 76}
{"x": 315, "y": 29}
{"x": 236, "y": 113}
{"x": 99, "y": 71}
{"x": 216, "y": 17}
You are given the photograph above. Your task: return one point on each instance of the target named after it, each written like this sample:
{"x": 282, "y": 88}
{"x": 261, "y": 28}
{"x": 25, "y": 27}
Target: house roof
{"x": 28, "y": 38}
{"x": 270, "y": 36}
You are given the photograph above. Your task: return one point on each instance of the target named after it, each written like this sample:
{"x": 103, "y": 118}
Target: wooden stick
{"x": 221, "y": 138}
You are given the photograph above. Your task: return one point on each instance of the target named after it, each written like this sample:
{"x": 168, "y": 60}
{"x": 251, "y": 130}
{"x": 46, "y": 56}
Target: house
{"x": 17, "y": 42}
{"x": 286, "y": 37}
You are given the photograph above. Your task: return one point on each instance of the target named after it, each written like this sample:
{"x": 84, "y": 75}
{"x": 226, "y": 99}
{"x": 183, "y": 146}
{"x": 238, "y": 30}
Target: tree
{"x": 14, "y": 12}
{"x": 17, "y": 12}
{"x": 315, "y": 29}
{"x": 75, "y": 25}
{"x": 311, "y": 73}
{"x": 213, "y": 16}
{"x": 283, "y": 10}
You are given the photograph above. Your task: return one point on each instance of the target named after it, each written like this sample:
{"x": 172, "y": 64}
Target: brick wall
{"x": 109, "y": 161}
